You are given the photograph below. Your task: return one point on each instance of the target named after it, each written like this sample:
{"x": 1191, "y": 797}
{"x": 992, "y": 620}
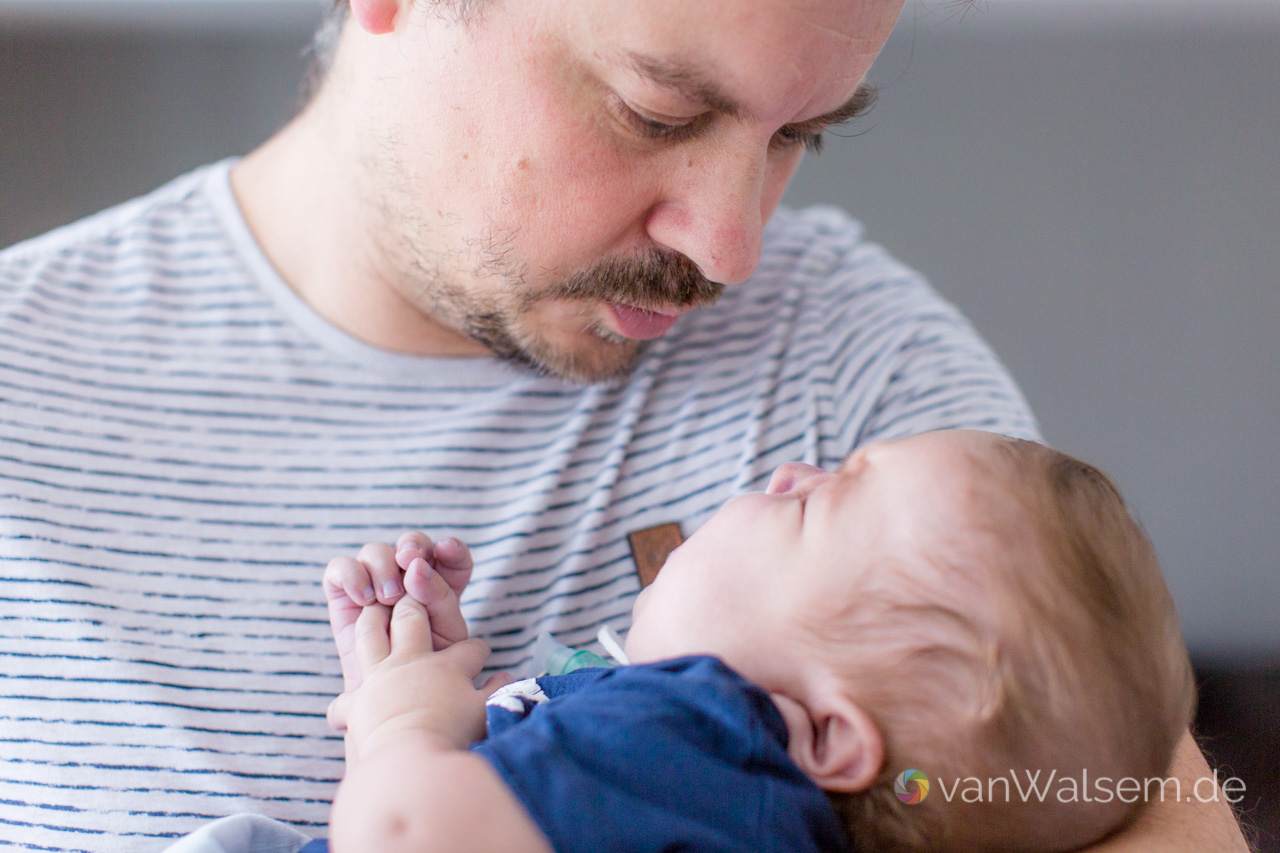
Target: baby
{"x": 965, "y": 604}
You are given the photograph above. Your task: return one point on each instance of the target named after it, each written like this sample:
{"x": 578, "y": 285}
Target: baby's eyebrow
{"x": 844, "y": 463}
{"x": 857, "y": 456}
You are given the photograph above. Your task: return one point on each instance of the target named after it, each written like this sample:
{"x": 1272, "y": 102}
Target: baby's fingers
{"x": 496, "y": 682}
{"x": 380, "y": 559}
{"x": 453, "y": 561}
{"x": 410, "y": 629}
{"x": 469, "y": 656}
{"x": 373, "y": 636}
{"x": 344, "y": 582}
{"x": 427, "y": 586}
{"x": 337, "y": 712}
{"x": 347, "y": 576}
{"x": 412, "y": 545}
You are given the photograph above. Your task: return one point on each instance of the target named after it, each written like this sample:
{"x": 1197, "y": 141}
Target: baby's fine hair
{"x": 1076, "y": 664}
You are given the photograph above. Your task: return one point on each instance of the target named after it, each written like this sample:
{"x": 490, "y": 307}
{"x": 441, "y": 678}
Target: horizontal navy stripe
{"x": 181, "y": 771}
{"x": 17, "y": 678}
{"x": 194, "y": 792}
{"x": 185, "y": 748}
{"x": 151, "y": 704}
{"x": 319, "y": 657}
{"x": 236, "y": 734}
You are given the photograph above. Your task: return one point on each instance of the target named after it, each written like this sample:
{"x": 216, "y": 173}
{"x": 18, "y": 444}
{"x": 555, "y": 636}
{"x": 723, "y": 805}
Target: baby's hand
{"x": 433, "y": 573}
{"x": 409, "y": 686}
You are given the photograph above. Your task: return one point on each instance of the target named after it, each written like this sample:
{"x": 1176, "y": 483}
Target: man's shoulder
{"x": 164, "y": 217}
{"x": 810, "y": 233}
{"x": 821, "y": 254}
{"x": 819, "y": 283}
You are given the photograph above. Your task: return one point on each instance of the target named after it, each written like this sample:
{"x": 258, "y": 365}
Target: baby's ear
{"x": 843, "y": 749}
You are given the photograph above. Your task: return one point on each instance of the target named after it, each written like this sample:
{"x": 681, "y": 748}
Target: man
{"x": 514, "y": 276}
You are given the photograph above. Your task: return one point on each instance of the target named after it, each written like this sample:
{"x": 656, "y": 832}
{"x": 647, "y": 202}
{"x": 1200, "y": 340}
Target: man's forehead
{"x": 860, "y": 39}
{"x": 749, "y": 58}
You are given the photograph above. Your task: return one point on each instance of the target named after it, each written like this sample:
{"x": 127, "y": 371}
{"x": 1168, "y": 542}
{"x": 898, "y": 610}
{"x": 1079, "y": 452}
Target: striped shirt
{"x": 184, "y": 445}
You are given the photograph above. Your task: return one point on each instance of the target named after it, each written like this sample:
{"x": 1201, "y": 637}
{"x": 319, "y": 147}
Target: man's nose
{"x": 713, "y": 214}
{"x": 791, "y": 475}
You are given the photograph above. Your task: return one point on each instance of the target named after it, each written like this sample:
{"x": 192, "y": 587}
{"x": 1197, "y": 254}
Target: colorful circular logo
{"x": 911, "y": 786}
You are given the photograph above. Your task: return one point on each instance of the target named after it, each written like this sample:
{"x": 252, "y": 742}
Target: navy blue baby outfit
{"x": 684, "y": 755}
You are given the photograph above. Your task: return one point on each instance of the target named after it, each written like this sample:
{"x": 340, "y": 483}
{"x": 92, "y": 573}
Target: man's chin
{"x": 594, "y": 356}
{"x": 564, "y": 339}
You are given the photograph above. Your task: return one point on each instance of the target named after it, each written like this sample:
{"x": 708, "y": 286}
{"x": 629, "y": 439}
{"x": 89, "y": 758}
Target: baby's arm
{"x": 416, "y": 797}
{"x": 411, "y": 784}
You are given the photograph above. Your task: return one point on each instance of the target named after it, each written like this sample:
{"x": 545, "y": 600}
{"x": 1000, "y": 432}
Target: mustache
{"x": 655, "y": 279}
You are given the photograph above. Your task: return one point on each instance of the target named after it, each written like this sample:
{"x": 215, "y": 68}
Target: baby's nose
{"x": 789, "y": 475}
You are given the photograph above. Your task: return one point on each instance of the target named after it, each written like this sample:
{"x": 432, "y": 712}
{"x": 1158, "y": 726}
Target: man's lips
{"x": 639, "y": 324}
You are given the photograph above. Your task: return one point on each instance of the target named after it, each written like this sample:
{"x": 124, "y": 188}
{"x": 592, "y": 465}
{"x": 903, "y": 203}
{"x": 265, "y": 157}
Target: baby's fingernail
{"x": 422, "y": 567}
{"x": 390, "y": 589}
{"x": 451, "y": 542}
{"x": 368, "y": 595}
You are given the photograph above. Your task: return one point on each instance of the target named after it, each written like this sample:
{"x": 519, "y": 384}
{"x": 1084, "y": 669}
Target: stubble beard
{"x": 651, "y": 280}
{"x": 499, "y": 310}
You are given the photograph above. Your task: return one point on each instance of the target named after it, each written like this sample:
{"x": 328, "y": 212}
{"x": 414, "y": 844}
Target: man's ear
{"x": 376, "y": 17}
{"x": 845, "y": 750}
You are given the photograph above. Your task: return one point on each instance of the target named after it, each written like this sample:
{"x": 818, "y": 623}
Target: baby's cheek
{"x": 653, "y": 626}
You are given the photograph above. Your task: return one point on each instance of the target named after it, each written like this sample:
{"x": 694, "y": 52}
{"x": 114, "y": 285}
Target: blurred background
{"x": 1096, "y": 183}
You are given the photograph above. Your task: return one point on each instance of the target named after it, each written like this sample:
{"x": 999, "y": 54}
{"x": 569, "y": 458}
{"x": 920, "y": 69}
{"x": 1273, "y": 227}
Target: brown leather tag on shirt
{"x": 650, "y": 547}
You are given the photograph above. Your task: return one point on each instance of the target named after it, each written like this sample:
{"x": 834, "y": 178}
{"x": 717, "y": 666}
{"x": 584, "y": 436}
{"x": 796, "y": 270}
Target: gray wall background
{"x": 1097, "y": 185}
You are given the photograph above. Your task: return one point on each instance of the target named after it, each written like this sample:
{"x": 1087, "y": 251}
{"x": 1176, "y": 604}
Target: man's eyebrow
{"x": 687, "y": 82}
{"x": 859, "y": 102}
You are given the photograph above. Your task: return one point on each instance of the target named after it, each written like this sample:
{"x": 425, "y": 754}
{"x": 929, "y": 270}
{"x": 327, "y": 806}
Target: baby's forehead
{"x": 964, "y": 454}
{"x": 953, "y": 488}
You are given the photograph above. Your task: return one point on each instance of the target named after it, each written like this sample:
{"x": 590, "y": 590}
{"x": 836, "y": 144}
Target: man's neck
{"x": 300, "y": 197}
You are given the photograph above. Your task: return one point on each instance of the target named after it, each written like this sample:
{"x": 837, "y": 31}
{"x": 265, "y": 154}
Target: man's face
{"x": 560, "y": 179}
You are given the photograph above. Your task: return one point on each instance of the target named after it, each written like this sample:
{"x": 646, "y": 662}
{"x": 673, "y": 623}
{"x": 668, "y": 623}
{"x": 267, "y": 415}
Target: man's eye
{"x": 651, "y": 128}
{"x": 789, "y": 137}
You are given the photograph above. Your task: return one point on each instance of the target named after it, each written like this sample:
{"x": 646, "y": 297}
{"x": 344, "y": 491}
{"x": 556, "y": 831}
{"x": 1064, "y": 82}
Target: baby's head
{"x": 958, "y": 602}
